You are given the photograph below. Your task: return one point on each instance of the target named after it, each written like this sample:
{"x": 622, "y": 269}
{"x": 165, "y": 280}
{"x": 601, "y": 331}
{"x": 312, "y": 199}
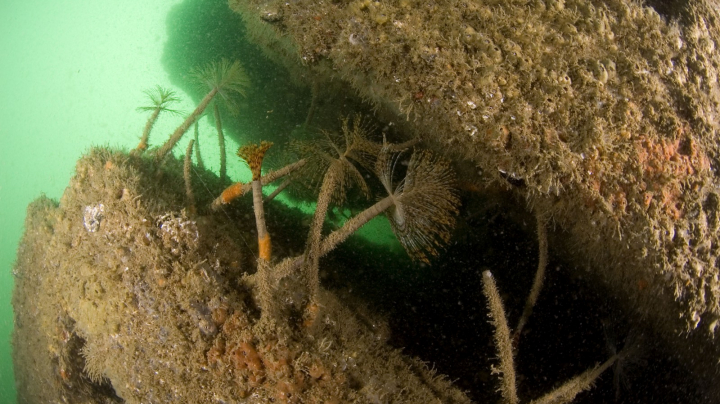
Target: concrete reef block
{"x": 140, "y": 302}
{"x": 602, "y": 117}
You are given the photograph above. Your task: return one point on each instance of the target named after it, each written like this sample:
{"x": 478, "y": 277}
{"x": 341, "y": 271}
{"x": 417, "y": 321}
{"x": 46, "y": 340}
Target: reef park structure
{"x": 582, "y": 133}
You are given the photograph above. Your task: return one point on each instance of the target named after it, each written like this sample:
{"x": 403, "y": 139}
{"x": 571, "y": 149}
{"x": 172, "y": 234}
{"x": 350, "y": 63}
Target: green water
{"x": 72, "y": 75}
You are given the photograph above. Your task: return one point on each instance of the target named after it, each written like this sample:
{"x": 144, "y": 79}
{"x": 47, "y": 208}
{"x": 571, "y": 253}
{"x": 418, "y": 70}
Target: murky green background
{"x": 71, "y": 75}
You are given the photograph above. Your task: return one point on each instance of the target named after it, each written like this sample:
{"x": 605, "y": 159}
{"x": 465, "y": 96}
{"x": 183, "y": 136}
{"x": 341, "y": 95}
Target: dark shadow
{"x": 203, "y": 31}
{"x": 439, "y": 314}
{"x": 669, "y": 9}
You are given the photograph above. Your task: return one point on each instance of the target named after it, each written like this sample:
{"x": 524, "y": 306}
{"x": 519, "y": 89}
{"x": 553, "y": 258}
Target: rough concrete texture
{"x": 601, "y": 115}
{"x": 121, "y": 297}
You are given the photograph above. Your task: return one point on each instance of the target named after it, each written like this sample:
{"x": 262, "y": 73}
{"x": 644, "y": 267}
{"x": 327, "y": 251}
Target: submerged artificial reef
{"x": 123, "y": 296}
{"x": 150, "y": 282}
{"x": 155, "y": 280}
{"x": 601, "y": 116}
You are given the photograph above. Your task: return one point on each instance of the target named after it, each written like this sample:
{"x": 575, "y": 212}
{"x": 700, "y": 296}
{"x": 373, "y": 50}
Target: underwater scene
{"x": 358, "y": 201}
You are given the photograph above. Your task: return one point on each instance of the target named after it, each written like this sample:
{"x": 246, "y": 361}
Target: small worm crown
{"x": 253, "y": 155}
